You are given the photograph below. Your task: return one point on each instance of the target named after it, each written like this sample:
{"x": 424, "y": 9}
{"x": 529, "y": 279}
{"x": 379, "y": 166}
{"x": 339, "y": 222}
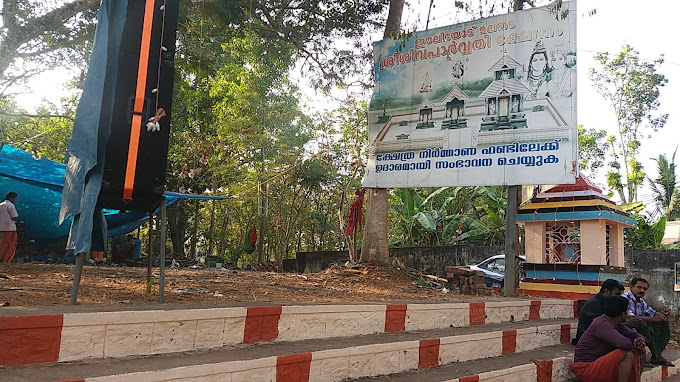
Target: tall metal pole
{"x": 149, "y": 263}
{"x": 511, "y": 245}
{"x": 161, "y": 282}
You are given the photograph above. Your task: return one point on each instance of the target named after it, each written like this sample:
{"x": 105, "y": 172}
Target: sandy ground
{"x": 29, "y": 285}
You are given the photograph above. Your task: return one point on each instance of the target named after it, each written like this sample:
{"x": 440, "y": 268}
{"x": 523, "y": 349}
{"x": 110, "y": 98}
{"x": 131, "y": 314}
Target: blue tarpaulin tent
{"x": 39, "y": 183}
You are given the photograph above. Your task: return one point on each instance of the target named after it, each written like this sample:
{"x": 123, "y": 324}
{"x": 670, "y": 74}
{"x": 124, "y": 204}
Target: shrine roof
{"x": 505, "y": 62}
{"x": 456, "y": 92}
{"x": 613, "y": 216}
{"x": 510, "y": 85}
{"x": 583, "y": 183}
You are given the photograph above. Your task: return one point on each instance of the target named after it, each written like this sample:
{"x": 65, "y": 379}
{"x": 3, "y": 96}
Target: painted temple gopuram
{"x": 574, "y": 241}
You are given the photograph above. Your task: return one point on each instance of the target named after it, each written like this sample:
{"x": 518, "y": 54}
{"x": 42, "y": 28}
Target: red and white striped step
{"x": 67, "y": 337}
{"x": 332, "y": 359}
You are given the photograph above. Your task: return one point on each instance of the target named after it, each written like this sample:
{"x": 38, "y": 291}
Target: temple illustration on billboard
{"x": 503, "y": 97}
{"x": 455, "y": 109}
{"x": 574, "y": 241}
{"x": 506, "y": 103}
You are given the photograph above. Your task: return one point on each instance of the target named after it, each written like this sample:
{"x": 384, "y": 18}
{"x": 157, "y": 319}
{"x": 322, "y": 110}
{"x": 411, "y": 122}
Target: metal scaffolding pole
{"x": 161, "y": 282}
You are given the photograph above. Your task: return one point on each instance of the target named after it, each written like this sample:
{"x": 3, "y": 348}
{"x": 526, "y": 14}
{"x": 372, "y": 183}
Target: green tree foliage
{"x": 238, "y": 127}
{"x": 591, "y": 148}
{"x": 301, "y": 30}
{"x": 60, "y": 33}
{"x": 38, "y": 35}
{"x": 43, "y": 133}
{"x": 664, "y": 188}
{"x": 646, "y": 235}
{"x": 632, "y": 87}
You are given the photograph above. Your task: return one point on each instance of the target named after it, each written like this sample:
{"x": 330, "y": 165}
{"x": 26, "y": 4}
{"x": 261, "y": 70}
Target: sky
{"x": 649, "y": 29}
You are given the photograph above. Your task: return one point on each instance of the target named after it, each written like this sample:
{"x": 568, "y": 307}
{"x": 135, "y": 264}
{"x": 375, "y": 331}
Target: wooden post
{"x": 511, "y": 245}
{"x": 78, "y": 271}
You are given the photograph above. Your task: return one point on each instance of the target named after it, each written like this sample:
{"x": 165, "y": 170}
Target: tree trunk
{"x": 631, "y": 191}
{"x": 374, "y": 247}
{"x": 177, "y": 226}
{"x": 263, "y": 221}
{"x": 622, "y": 195}
{"x": 341, "y": 220}
{"x": 298, "y": 240}
{"x": 393, "y": 23}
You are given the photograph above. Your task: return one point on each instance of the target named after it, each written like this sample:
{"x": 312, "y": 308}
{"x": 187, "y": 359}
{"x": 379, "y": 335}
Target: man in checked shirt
{"x": 647, "y": 321}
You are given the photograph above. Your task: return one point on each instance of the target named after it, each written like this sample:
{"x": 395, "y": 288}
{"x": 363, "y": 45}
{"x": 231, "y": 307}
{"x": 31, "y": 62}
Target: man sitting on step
{"x": 647, "y": 321}
{"x": 594, "y": 307}
{"x": 608, "y": 351}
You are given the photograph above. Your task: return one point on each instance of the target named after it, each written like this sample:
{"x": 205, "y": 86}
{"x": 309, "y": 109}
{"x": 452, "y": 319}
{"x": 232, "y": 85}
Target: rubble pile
{"x": 466, "y": 280}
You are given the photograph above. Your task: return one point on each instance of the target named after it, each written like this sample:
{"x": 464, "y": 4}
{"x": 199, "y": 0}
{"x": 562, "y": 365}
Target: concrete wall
{"x": 312, "y": 262}
{"x": 431, "y": 260}
{"x": 658, "y": 267}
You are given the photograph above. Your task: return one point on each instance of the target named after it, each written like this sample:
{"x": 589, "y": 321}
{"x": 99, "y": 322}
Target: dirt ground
{"x": 35, "y": 284}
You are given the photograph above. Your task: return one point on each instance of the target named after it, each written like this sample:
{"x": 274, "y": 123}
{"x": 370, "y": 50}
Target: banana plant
{"x": 447, "y": 215}
{"x": 482, "y": 222}
{"x": 414, "y": 220}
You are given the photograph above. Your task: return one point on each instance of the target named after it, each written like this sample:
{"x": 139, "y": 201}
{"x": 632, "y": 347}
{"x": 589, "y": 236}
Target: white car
{"x": 494, "y": 269}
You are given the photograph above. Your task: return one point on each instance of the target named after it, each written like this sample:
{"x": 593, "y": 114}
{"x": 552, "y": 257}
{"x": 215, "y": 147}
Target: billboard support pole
{"x": 511, "y": 245}
{"x": 149, "y": 263}
{"x": 161, "y": 281}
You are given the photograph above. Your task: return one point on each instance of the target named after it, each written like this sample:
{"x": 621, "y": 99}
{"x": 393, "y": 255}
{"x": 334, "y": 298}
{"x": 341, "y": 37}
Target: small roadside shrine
{"x": 574, "y": 241}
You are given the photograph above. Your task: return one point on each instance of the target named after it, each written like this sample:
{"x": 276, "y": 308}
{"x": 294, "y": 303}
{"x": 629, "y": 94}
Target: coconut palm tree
{"x": 665, "y": 189}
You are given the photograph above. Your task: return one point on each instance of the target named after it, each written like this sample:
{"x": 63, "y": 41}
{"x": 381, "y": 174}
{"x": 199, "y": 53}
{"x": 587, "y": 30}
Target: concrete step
{"x": 533, "y": 365}
{"x": 318, "y": 360}
{"x": 67, "y": 335}
{"x": 547, "y": 364}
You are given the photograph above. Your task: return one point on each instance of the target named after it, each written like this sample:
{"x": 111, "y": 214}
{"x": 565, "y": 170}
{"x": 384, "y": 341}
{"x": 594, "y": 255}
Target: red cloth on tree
{"x": 253, "y": 236}
{"x": 356, "y": 213}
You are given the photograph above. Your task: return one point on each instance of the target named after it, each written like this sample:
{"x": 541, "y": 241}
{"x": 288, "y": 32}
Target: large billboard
{"x": 486, "y": 102}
